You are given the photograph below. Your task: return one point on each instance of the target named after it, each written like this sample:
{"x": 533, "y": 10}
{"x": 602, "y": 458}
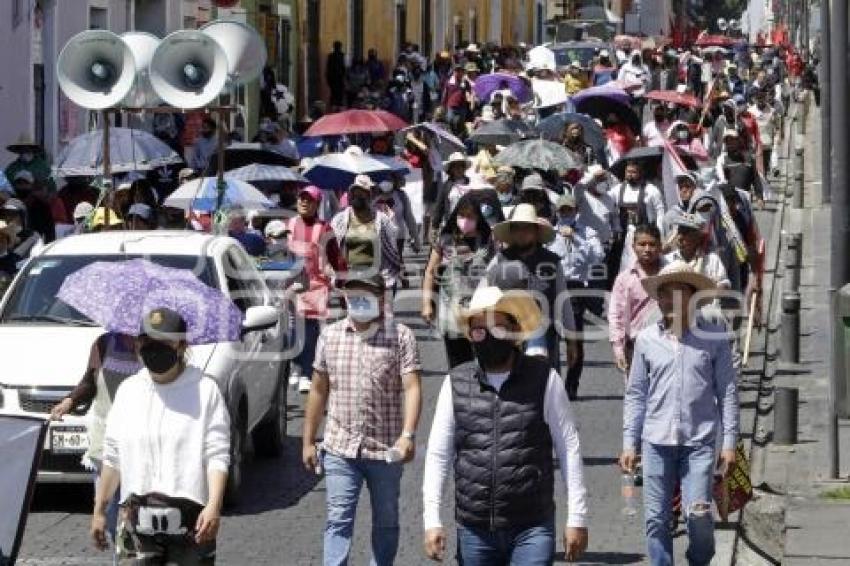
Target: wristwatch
{"x": 409, "y": 435}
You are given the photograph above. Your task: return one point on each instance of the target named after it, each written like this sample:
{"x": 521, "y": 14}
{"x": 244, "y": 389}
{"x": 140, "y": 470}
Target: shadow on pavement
{"x": 605, "y": 558}
{"x": 599, "y": 460}
{"x": 63, "y": 498}
{"x": 275, "y": 483}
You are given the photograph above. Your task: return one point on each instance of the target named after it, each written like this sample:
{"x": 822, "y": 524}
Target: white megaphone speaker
{"x": 188, "y": 69}
{"x": 734, "y": 25}
{"x": 722, "y": 25}
{"x": 96, "y": 69}
{"x": 143, "y": 45}
{"x": 245, "y": 49}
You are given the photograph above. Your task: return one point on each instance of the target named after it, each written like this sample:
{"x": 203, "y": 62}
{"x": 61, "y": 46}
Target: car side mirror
{"x": 259, "y": 318}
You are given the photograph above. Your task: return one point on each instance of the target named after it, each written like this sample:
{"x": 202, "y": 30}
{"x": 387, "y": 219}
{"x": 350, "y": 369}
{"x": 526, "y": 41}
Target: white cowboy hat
{"x": 677, "y": 272}
{"x": 458, "y": 157}
{"x": 518, "y": 304}
{"x": 524, "y": 214}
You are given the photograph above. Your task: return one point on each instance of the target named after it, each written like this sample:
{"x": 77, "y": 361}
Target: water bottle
{"x": 630, "y": 505}
{"x": 393, "y": 455}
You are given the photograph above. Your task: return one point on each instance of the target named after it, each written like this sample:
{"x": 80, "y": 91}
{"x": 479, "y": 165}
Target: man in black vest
{"x": 497, "y": 420}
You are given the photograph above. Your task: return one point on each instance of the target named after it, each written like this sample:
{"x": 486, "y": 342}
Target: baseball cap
{"x": 686, "y": 175}
{"x": 313, "y": 192}
{"x": 276, "y": 229}
{"x": 164, "y": 324}
{"x": 141, "y": 210}
{"x": 82, "y": 210}
{"x": 23, "y": 175}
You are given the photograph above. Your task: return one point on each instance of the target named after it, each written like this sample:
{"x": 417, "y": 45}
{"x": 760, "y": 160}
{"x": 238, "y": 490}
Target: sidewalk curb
{"x": 749, "y": 537}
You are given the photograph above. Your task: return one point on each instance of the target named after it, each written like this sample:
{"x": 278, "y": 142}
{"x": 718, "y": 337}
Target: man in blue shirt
{"x": 681, "y": 390}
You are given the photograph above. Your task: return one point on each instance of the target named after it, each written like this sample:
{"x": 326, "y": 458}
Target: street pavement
{"x": 281, "y": 516}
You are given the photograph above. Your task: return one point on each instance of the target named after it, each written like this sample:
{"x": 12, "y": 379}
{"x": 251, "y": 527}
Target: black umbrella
{"x": 537, "y": 154}
{"x": 650, "y": 160}
{"x": 601, "y": 106}
{"x": 240, "y": 155}
{"x": 502, "y": 132}
{"x": 552, "y": 128}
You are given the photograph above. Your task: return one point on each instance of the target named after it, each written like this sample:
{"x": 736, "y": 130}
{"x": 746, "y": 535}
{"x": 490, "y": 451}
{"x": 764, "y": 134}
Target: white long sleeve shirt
{"x": 556, "y": 413}
{"x": 651, "y": 197}
{"x": 165, "y": 438}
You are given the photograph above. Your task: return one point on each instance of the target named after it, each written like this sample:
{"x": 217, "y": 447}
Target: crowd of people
{"x": 523, "y": 263}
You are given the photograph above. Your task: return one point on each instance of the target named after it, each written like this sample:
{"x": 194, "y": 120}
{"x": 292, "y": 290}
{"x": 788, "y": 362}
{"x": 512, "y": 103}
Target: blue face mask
{"x": 566, "y": 219}
{"x": 506, "y": 198}
{"x": 486, "y": 210}
{"x": 363, "y": 308}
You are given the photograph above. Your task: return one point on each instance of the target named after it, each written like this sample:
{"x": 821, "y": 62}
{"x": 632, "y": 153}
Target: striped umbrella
{"x": 258, "y": 173}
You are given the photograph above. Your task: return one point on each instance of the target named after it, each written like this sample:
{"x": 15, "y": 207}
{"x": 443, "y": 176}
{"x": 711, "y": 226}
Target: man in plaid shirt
{"x": 366, "y": 374}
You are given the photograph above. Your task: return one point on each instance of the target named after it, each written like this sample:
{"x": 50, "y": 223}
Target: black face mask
{"x": 159, "y": 358}
{"x": 492, "y": 352}
{"x": 524, "y": 249}
{"x": 359, "y": 203}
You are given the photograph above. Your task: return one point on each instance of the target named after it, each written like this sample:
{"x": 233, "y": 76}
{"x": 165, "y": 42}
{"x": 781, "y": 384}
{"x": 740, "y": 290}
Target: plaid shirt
{"x": 365, "y": 412}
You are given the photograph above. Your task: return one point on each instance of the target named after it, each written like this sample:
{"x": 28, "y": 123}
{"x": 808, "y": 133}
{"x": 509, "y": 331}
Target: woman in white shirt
{"x": 167, "y": 443}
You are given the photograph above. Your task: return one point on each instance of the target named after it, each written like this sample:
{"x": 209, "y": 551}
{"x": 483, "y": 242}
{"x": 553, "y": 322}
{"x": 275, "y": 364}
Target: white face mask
{"x": 363, "y": 308}
{"x": 601, "y": 187}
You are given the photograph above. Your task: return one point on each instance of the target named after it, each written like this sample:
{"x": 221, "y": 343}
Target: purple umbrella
{"x": 606, "y": 92}
{"x": 486, "y": 85}
{"x": 118, "y": 294}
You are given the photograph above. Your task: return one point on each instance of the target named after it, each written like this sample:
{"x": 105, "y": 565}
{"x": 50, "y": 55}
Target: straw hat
{"x": 518, "y": 304}
{"x": 24, "y": 143}
{"x": 458, "y": 157}
{"x": 524, "y": 214}
{"x": 677, "y": 272}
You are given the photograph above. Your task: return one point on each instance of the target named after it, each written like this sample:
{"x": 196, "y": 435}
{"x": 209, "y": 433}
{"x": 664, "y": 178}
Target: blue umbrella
{"x": 202, "y": 195}
{"x": 257, "y": 173}
{"x": 129, "y": 150}
{"x": 338, "y": 170}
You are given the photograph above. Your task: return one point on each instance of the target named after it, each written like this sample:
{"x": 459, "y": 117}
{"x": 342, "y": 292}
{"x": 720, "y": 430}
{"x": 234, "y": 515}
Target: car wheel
{"x": 238, "y": 441}
{"x": 271, "y": 433}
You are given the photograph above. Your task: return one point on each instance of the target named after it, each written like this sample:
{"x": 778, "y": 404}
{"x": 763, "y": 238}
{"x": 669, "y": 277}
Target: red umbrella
{"x": 674, "y": 97}
{"x": 714, "y": 41}
{"x": 356, "y": 122}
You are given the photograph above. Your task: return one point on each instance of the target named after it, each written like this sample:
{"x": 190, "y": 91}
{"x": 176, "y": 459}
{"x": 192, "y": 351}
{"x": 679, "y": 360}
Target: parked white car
{"x": 45, "y": 344}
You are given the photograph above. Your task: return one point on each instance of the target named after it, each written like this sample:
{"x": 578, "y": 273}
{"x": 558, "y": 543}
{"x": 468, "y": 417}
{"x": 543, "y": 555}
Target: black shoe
{"x": 572, "y": 391}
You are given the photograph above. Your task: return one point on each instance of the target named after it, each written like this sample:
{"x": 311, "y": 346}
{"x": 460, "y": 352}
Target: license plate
{"x": 68, "y": 439}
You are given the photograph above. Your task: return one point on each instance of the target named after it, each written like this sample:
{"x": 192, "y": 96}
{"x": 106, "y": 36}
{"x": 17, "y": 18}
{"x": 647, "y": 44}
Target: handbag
{"x": 155, "y": 514}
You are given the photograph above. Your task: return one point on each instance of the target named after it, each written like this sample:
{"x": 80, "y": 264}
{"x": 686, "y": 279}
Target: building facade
{"x": 386, "y": 25}
{"x": 32, "y": 34}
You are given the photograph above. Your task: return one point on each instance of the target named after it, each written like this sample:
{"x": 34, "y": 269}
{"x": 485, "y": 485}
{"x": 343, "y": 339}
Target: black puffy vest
{"x": 503, "y": 450}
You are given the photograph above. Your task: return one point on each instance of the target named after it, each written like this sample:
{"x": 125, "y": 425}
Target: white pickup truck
{"x": 45, "y": 344}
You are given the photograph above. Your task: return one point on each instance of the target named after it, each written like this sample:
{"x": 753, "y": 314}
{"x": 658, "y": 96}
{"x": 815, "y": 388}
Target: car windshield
{"x": 33, "y": 297}
{"x": 566, "y": 55}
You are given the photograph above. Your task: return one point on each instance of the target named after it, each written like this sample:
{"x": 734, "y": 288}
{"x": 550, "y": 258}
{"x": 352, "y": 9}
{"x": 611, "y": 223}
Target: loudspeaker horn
{"x": 96, "y": 69}
{"x": 188, "y": 69}
{"x": 722, "y": 25}
{"x": 245, "y": 49}
{"x": 143, "y": 45}
{"x": 734, "y": 25}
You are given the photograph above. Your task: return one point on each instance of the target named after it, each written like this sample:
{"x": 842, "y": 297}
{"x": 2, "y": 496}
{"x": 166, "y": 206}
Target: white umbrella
{"x": 338, "y": 170}
{"x": 202, "y": 194}
{"x": 548, "y": 93}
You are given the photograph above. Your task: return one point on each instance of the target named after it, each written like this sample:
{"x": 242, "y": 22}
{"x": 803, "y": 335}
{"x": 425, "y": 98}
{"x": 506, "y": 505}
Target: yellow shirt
{"x": 574, "y": 84}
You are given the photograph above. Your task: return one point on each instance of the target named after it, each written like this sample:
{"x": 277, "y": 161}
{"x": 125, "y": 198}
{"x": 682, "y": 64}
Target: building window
{"x": 356, "y": 32}
{"x": 427, "y": 31}
{"x": 98, "y": 18}
{"x": 401, "y": 26}
{"x": 17, "y": 12}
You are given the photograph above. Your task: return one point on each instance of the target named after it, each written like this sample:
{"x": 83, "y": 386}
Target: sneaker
{"x": 304, "y": 385}
{"x": 294, "y": 378}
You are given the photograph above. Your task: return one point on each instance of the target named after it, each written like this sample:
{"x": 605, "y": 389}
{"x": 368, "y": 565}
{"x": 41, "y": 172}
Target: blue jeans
{"x": 307, "y": 354}
{"x": 529, "y": 546}
{"x": 693, "y": 468}
{"x": 343, "y": 480}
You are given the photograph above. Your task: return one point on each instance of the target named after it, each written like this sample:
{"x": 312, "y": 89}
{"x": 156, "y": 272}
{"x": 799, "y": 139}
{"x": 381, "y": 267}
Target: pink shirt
{"x": 630, "y": 309}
